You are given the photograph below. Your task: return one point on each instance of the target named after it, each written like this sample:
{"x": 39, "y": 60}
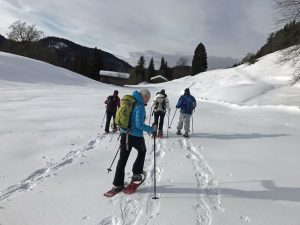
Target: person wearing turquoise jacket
{"x": 134, "y": 138}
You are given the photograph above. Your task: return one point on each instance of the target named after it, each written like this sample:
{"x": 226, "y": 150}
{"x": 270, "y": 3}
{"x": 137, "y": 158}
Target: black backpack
{"x": 111, "y": 105}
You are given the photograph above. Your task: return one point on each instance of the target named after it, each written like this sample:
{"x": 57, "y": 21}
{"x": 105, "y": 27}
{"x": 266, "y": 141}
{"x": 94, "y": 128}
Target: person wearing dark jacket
{"x": 186, "y": 103}
{"x": 134, "y": 138}
{"x": 112, "y": 104}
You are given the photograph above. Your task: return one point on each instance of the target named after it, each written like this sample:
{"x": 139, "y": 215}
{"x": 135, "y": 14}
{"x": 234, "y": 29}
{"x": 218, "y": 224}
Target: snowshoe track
{"x": 48, "y": 171}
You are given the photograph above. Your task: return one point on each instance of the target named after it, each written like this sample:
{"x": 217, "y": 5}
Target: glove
{"x": 154, "y": 126}
{"x": 154, "y": 134}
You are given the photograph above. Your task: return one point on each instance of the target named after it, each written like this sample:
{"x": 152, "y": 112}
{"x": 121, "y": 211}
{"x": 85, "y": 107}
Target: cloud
{"x": 125, "y": 27}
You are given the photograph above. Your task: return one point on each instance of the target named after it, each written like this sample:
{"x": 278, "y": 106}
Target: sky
{"x": 130, "y": 28}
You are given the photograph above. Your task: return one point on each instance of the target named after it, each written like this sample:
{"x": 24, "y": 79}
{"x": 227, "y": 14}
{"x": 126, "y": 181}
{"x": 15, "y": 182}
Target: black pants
{"x": 139, "y": 144}
{"x": 108, "y": 118}
{"x": 161, "y": 116}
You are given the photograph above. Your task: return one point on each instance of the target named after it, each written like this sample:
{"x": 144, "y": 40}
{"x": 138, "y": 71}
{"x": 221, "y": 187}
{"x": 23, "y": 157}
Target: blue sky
{"x": 128, "y": 28}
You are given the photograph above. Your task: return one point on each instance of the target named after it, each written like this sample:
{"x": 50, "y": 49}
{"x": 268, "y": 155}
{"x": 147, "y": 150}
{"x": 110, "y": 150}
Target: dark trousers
{"x": 139, "y": 144}
{"x": 159, "y": 115}
{"x": 109, "y": 115}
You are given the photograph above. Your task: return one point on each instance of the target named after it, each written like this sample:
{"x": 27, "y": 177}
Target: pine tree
{"x": 167, "y": 73}
{"x": 163, "y": 67}
{"x": 140, "y": 71}
{"x": 141, "y": 62}
{"x": 199, "y": 63}
{"x": 151, "y": 70}
{"x": 95, "y": 64}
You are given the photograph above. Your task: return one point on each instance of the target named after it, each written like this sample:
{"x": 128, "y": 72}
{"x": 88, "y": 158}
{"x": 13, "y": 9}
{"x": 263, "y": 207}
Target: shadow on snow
{"x": 272, "y": 192}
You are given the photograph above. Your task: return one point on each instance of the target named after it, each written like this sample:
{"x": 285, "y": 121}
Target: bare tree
{"x": 21, "y": 32}
{"x": 182, "y": 61}
{"x": 289, "y": 10}
{"x": 292, "y": 55}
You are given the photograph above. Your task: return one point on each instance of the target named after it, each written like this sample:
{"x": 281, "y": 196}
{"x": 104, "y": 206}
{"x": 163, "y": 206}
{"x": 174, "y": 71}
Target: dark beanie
{"x": 116, "y": 92}
{"x": 187, "y": 91}
{"x": 163, "y": 91}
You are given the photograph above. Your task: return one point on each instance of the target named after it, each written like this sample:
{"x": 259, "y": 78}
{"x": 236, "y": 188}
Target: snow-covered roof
{"x": 159, "y": 76}
{"x": 114, "y": 74}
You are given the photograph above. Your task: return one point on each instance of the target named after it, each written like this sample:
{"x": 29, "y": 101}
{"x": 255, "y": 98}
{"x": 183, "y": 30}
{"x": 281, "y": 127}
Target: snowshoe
{"x": 113, "y": 191}
{"x": 186, "y": 135}
{"x": 160, "y": 134}
{"x": 178, "y": 132}
{"x": 136, "y": 181}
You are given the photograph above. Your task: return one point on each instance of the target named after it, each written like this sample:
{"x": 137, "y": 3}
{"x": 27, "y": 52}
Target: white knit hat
{"x": 145, "y": 93}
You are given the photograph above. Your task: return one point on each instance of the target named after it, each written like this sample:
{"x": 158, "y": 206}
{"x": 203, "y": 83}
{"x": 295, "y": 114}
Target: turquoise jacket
{"x": 138, "y": 116}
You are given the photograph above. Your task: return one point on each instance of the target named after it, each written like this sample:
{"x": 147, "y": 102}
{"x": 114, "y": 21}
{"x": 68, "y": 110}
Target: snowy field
{"x": 240, "y": 166}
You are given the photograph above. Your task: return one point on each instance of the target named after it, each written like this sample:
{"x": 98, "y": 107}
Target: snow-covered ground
{"x": 241, "y": 165}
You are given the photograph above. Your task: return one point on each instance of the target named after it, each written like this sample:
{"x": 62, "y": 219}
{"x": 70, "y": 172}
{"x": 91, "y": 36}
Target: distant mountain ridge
{"x": 67, "y": 54}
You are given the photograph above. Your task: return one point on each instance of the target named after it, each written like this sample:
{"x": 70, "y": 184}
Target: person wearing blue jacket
{"x": 187, "y": 104}
{"x": 134, "y": 138}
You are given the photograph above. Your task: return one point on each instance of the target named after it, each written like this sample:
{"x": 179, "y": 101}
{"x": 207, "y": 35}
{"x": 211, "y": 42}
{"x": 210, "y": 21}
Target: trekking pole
{"x": 192, "y": 124}
{"x": 150, "y": 116}
{"x": 109, "y": 169}
{"x": 103, "y": 119}
{"x": 154, "y": 174}
{"x": 191, "y": 85}
{"x": 168, "y": 124}
{"x": 173, "y": 118}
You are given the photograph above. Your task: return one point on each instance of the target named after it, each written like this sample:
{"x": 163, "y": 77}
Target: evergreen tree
{"x": 139, "y": 71}
{"x": 163, "y": 67}
{"x": 199, "y": 63}
{"x": 151, "y": 70}
{"x": 141, "y": 63}
{"x": 79, "y": 64}
{"x": 95, "y": 64}
{"x": 168, "y": 72}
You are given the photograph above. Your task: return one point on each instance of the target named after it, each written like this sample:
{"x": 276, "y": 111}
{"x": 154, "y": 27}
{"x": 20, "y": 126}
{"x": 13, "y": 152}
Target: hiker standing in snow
{"x": 160, "y": 105}
{"x": 186, "y": 103}
{"x": 112, "y": 104}
{"x": 133, "y": 138}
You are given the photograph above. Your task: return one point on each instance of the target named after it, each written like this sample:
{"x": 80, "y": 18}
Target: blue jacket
{"x": 138, "y": 116}
{"x": 186, "y": 103}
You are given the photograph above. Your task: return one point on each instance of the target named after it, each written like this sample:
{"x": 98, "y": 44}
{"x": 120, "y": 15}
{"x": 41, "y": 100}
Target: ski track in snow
{"x": 206, "y": 183}
{"x": 140, "y": 208}
{"x": 44, "y": 173}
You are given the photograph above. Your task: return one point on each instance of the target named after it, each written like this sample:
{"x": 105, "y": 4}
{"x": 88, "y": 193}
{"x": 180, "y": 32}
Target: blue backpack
{"x": 188, "y": 103}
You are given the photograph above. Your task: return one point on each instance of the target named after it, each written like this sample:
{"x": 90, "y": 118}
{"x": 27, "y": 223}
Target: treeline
{"x": 25, "y": 40}
{"x": 284, "y": 38}
{"x": 142, "y": 74}
{"x": 66, "y": 54}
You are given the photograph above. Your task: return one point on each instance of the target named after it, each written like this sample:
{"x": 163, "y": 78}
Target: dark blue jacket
{"x": 186, "y": 103}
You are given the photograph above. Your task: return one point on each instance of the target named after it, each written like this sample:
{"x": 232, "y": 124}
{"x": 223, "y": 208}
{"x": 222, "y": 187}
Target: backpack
{"x": 160, "y": 104}
{"x": 124, "y": 112}
{"x": 188, "y": 104}
{"x": 111, "y": 104}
